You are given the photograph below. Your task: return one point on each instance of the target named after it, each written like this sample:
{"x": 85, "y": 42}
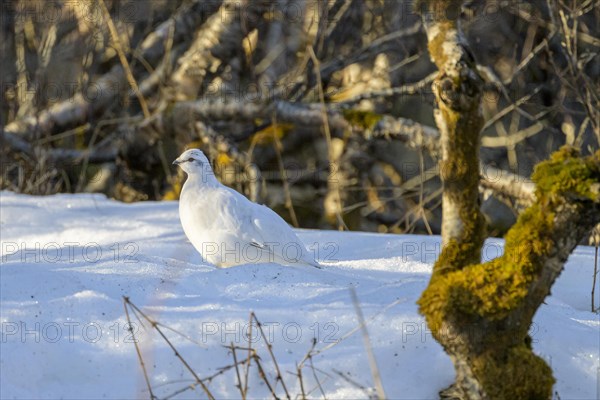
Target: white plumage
{"x": 226, "y": 228}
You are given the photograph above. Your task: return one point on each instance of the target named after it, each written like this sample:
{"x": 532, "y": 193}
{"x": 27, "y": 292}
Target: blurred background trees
{"x": 320, "y": 109}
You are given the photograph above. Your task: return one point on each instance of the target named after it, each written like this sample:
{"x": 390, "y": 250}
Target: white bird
{"x": 226, "y": 228}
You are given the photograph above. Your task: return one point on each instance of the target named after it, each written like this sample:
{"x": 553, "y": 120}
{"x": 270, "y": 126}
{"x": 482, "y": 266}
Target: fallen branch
{"x": 103, "y": 92}
{"x": 218, "y": 39}
{"x": 288, "y": 112}
{"x": 407, "y": 89}
{"x": 418, "y": 136}
{"x": 60, "y": 155}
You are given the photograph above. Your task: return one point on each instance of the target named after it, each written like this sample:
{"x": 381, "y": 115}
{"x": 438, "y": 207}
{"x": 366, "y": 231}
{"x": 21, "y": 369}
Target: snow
{"x": 67, "y": 260}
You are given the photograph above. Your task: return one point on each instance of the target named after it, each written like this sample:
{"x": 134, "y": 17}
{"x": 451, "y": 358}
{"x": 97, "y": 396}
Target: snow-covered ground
{"x": 67, "y": 260}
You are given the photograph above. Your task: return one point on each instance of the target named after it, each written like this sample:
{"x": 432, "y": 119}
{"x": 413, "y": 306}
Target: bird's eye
{"x": 190, "y": 159}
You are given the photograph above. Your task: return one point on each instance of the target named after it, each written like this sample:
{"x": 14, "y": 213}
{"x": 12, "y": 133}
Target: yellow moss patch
{"x": 491, "y": 290}
{"x": 222, "y": 160}
{"x": 196, "y": 144}
{"x": 565, "y": 172}
{"x": 361, "y": 118}
{"x": 435, "y": 46}
{"x": 526, "y": 376}
{"x": 270, "y": 133}
{"x": 174, "y": 191}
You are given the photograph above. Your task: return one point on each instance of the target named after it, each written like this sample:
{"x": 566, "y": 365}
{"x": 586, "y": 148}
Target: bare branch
{"x": 408, "y": 131}
{"x": 513, "y": 139}
{"x": 123, "y": 58}
{"x": 507, "y": 184}
{"x": 60, "y": 155}
{"x": 219, "y": 37}
{"x": 288, "y": 112}
{"x": 103, "y": 92}
{"x": 407, "y": 89}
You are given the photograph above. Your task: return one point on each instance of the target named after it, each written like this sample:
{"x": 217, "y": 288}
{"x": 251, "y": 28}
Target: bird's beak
{"x": 176, "y": 162}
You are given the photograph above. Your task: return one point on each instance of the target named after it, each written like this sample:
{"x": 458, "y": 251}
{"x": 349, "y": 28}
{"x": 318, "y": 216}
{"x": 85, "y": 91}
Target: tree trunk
{"x": 481, "y": 313}
{"x": 458, "y": 89}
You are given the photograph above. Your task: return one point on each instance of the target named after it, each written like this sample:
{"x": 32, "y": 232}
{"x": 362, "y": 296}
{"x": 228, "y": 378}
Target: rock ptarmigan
{"x": 226, "y": 228}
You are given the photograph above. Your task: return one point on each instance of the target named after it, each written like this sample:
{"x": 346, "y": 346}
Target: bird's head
{"x": 193, "y": 161}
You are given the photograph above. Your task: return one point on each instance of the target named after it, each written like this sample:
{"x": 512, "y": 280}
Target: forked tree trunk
{"x": 481, "y": 313}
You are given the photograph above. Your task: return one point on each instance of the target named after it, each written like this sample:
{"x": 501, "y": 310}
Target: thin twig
{"x": 377, "y": 46}
{"x": 137, "y": 316}
{"x": 207, "y": 379}
{"x": 365, "y": 334}
{"x": 177, "y": 354}
{"x": 337, "y": 18}
{"x": 249, "y": 359}
{"x": 355, "y": 329}
{"x": 78, "y": 130}
{"x": 594, "y": 278}
{"x": 137, "y": 349}
{"x": 270, "y": 349}
{"x": 263, "y": 375}
{"x": 327, "y": 131}
{"x": 299, "y": 374}
{"x": 183, "y": 335}
{"x": 237, "y": 371}
{"x": 536, "y": 50}
{"x": 510, "y": 108}
{"x": 309, "y": 356}
{"x": 316, "y": 378}
{"x": 86, "y": 157}
{"x": 284, "y": 181}
{"x": 119, "y": 48}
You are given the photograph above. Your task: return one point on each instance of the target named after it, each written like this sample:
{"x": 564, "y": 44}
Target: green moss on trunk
{"x": 463, "y": 228}
{"x": 514, "y": 373}
{"x": 481, "y": 300}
